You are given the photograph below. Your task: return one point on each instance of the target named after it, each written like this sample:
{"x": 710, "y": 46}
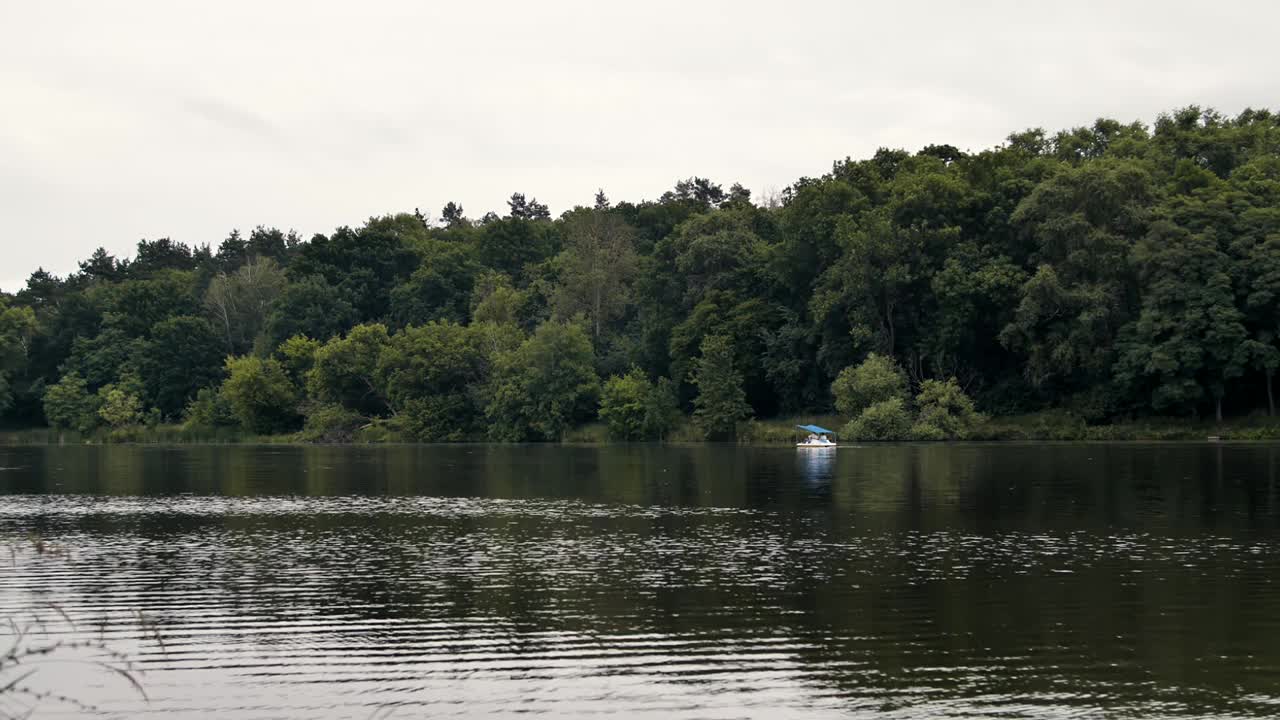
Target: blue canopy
{"x": 816, "y": 430}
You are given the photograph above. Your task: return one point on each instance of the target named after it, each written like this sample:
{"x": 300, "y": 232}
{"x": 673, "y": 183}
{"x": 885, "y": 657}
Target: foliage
{"x": 661, "y": 410}
{"x": 238, "y": 303}
{"x": 209, "y": 410}
{"x": 345, "y": 370}
{"x": 945, "y": 412}
{"x": 17, "y": 329}
{"x": 429, "y": 374}
{"x": 876, "y": 379}
{"x": 597, "y": 267}
{"x": 886, "y": 420}
{"x": 297, "y": 356}
{"x": 331, "y": 423}
{"x": 543, "y": 387}
{"x": 721, "y": 402}
{"x": 260, "y": 394}
{"x": 118, "y": 407}
{"x": 183, "y": 355}
{"x": 311, "y": 307}
{"x": 1113, "y": 271}
{"x": 69, "y": 405}
{"x": 633, "y": 408}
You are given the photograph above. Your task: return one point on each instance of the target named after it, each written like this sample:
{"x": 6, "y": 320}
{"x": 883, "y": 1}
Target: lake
{"x": 1071, "y": 580}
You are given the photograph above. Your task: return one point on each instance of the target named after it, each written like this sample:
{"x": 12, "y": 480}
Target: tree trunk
{"x": 1271, "y": 398}
{"x": 1217, "y": 409}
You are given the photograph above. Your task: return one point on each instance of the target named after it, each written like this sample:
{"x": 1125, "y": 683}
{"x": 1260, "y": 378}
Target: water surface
{"x": 702, "y": 582}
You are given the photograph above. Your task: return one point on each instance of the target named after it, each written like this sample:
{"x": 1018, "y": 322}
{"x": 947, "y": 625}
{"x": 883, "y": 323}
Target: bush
{"x": 210, "y": 410}
{"x": 331, "y": 423}
{"x": 439, "y": 418}
{"x": 925, "y": 431}
{"x": 886, "y": 420}
{"x": 261, "y": 395}
{"x": 635, "y": 409}
{"x": 544, "y": 387}
{"x": 946, "y": 413}
{"x": 118, "y": 408}
{"x": 622, "y": 405}
{"x": 876, "y": 379}
{"x": 68, "y": 405}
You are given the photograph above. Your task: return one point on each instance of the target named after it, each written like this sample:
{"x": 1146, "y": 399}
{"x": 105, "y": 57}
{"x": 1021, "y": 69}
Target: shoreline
{"x": 8, "y": 440}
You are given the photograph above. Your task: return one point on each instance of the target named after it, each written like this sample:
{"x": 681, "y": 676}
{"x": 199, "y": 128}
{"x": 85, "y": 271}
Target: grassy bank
{"x": 141, "y": 435}
{"x": 1064, "y": 426}
{"x": 1046, "y": 426}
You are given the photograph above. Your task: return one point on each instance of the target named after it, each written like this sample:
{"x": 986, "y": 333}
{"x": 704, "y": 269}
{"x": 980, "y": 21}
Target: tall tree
{"x": 596, "y": 268}
{"x": 240, "y": 303}
{"x": 544, "y": 387}
{"x": 720, "y": 403}
{"x": 1189, "y": 339}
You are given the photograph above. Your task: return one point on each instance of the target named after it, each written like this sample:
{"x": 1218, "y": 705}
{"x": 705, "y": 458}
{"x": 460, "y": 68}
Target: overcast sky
{"x": 128, "y": 120}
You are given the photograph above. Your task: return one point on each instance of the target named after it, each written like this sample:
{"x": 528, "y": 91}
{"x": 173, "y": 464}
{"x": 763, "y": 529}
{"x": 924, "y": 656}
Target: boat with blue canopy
{"x": 818, "y": 437}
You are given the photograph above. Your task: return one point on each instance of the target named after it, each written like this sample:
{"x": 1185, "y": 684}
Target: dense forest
{"x": 1116, "y": 271}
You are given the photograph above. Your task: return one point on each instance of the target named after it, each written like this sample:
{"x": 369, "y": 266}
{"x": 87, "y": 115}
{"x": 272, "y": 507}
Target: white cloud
{"x": 126, "y": 120}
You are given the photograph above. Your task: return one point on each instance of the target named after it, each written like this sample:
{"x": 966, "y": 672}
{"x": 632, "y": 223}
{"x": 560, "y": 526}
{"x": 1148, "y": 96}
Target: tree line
{"x": 1114, "y": 271}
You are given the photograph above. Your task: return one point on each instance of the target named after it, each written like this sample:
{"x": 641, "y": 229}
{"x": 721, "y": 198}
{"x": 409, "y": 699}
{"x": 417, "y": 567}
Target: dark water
{"x": 889, "y": 582}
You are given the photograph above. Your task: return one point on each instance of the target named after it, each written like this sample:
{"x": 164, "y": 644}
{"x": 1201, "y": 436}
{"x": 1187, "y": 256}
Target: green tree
{"x": 432, "y": 375}
{"x": 511, "y": 244}
{"x": 210, "y": 410}
{"x": 721, "y": 402}
{"x": 311, "y": 307}
{"x": 118, "y": 407}
{"x": 596, "y": 268}
{"x": 68, "y": 405}
{"x": 17, "y": 332}
{"x": 875, "y": 380}
{"x": 239, "y": 303}
{"x": 261, "y": 395}
{"x": 880, "y": 284}
{"x": 1081, "y": 223}
{"x": 183, "y": 355}
{"x": 135, "y": 306}
{"x": 624, "y": 405}
{"x": 362, "y": 264}
{"x": 544, "y": 387}
{"x": 945, "y": 411}
{"x": 441, "y": 286}
{"x": 1189, "y": 339}
{"x": 887, "y": 420}
{"x": 661, "y": 409}
{"x": 297, "y": 356}
{"x": 635, "y": 409}
{"x": 493, "y": 300}
{"x": 346, "y": 371}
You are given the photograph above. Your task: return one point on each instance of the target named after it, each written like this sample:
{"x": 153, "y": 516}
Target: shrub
{"x": 635, "y": 409}
{"x": 331, "y": 423}
{"x": 439, "y": 418}
{"x": 118, "y": 408}
{"x": 68, "y": 405}
{"x": 261, "y": 395}
{"x": 876, "y": 379}
{"x": 209, "y": 410}
{"x": 946, "y": 413}
{"x": 886, "y": 420}
{"x": 622, "y": 405}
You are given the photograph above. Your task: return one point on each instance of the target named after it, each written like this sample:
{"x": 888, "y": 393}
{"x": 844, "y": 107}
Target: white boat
{"x": 818, "y": 437}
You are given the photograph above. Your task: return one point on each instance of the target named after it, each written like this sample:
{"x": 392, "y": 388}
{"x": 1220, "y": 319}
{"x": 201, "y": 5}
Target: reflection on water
{"x": 816, "y": 465}
{"x": 912, "y": 582}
